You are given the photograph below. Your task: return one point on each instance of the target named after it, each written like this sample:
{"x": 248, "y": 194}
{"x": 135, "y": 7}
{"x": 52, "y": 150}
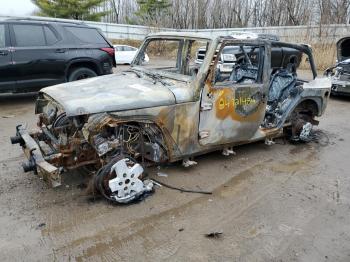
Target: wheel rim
{"x": 121, "y": 181}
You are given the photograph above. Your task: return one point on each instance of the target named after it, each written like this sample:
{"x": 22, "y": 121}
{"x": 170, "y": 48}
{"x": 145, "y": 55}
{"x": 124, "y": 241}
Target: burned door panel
{"x": 233, "y": 104}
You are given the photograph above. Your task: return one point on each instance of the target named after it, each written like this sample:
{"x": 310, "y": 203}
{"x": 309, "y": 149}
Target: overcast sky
{"x": 16, "y": 7}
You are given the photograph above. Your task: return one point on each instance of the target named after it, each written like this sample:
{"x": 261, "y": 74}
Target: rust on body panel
{"x": 227, "y": 104}
{"x": 161, "y": 115}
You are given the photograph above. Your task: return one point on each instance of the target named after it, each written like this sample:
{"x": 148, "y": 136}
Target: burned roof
{"x": 273, "y": 39}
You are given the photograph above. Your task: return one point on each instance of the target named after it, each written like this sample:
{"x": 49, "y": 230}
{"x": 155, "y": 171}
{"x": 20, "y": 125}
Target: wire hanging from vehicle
{"x": 183, "y": 190}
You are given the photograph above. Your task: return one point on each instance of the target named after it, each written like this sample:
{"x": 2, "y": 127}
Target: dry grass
{"x": 324, "y": 48}
{"x": 134, "y": 43}
{"x": 324, "y": 53}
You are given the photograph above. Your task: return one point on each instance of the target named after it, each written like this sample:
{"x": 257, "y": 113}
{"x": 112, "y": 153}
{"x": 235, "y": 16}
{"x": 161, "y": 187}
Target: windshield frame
{"x": 177, "y": 76}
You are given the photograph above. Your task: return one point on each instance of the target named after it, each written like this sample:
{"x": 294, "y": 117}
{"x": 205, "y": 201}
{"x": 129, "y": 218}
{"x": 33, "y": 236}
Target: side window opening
{"x": 85, "y": 35}
{"x": 240, "y": 64}
{"x": 291, "y": 68}
{"x": 303, "y": 69}
{"x": 51, "y": 37}
{"x": 163, "y": 55}
{"x": 194, "y": 56}
{"x": 29, "y": 35}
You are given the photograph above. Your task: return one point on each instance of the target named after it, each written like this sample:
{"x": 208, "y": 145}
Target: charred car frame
{"x": 340, "y": 72}
{"x": 116, "y": 125}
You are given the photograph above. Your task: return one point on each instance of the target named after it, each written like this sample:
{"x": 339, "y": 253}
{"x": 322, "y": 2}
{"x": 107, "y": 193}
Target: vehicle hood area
{"x": 117, "y": 92}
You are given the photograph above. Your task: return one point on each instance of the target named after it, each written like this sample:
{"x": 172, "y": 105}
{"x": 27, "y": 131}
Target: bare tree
{"x": 192, "y": 14}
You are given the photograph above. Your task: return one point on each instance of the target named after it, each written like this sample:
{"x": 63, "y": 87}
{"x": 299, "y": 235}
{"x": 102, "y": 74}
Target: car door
{"x": 233, "y": 104}
{"x": 7, "y": 70}
{"x": 120, "y": 55}
{"x": 129, "y": 53}
{"x": 40, "y": 62}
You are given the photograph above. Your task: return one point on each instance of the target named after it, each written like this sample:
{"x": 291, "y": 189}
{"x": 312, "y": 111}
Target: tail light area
{"x": 111, "y": 52}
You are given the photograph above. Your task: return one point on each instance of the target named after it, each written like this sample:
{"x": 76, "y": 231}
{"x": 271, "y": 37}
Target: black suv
{"x": 39, "y": 53}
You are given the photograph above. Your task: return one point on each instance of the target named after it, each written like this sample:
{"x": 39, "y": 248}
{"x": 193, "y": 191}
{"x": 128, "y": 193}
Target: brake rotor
{"x": 305, "y": 134}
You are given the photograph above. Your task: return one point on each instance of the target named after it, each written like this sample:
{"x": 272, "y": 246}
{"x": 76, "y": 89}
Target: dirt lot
{"x": 273, "y": 203}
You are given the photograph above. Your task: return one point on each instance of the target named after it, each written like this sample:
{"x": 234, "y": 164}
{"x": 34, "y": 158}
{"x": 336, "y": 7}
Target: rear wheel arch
{"x": 308, "y": 106}
{"x": 73, "y": 65}
{"x": 304, "y": 112}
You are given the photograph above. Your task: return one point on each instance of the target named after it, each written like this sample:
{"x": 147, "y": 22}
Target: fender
{"x": 295, "y": 103}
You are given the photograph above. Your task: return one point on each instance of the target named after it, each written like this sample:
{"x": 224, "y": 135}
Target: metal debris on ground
{"x": 188, "y": 163}
{"x": 227, "y": 151}
{"x": 216, "y": 234}
{"x": 317, "y": 136}
{"x": 269, "y": 142}
{"x": 162, "y": 174}
{"x": 8, "y": 116}
{"x": 41, "y": 225}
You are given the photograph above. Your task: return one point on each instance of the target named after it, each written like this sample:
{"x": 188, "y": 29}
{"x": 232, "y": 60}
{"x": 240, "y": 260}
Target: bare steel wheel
{"x": 302, "y": 121}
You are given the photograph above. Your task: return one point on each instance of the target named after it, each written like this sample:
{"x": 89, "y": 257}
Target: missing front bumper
{"x": 36, "y": 160}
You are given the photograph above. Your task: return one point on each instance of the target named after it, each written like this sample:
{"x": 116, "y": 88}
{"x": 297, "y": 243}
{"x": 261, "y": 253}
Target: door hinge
{"x": 206, "y": 106}
{"x": 204, "y": 134}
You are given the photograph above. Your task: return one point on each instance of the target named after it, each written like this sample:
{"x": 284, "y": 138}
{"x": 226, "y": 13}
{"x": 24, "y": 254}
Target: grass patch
{"x": 324, "y": 53}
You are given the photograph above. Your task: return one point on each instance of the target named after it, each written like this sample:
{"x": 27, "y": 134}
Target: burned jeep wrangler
{"x": 340, "y": 72}
{"x": 171, "y": 109}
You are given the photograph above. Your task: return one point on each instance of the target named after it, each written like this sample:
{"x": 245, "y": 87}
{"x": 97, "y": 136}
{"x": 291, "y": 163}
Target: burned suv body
{"x": 340, "y": 72}
{"x": 168, "y": 110}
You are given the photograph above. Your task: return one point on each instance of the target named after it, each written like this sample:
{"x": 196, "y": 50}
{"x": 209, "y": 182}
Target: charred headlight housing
{"x": 47, "y": 108}
{"x": 40, "y": 103}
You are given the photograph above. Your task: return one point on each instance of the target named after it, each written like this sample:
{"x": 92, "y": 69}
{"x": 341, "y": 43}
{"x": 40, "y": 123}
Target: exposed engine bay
{"x": 94, "y": 143}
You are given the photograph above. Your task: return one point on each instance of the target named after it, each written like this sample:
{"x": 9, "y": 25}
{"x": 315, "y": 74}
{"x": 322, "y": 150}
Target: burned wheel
{"x": 120, "y": 180}
{"x": 301, "y": 123}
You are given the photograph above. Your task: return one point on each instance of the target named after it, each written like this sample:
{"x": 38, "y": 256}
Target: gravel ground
{"x": 272, "y": 203}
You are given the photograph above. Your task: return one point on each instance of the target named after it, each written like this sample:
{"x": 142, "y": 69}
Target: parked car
{"x": 124, "y": 54}
{"x": 168, "y": 110}
{"x": 340, "y": 72}
{"x": 39, "y": 53}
